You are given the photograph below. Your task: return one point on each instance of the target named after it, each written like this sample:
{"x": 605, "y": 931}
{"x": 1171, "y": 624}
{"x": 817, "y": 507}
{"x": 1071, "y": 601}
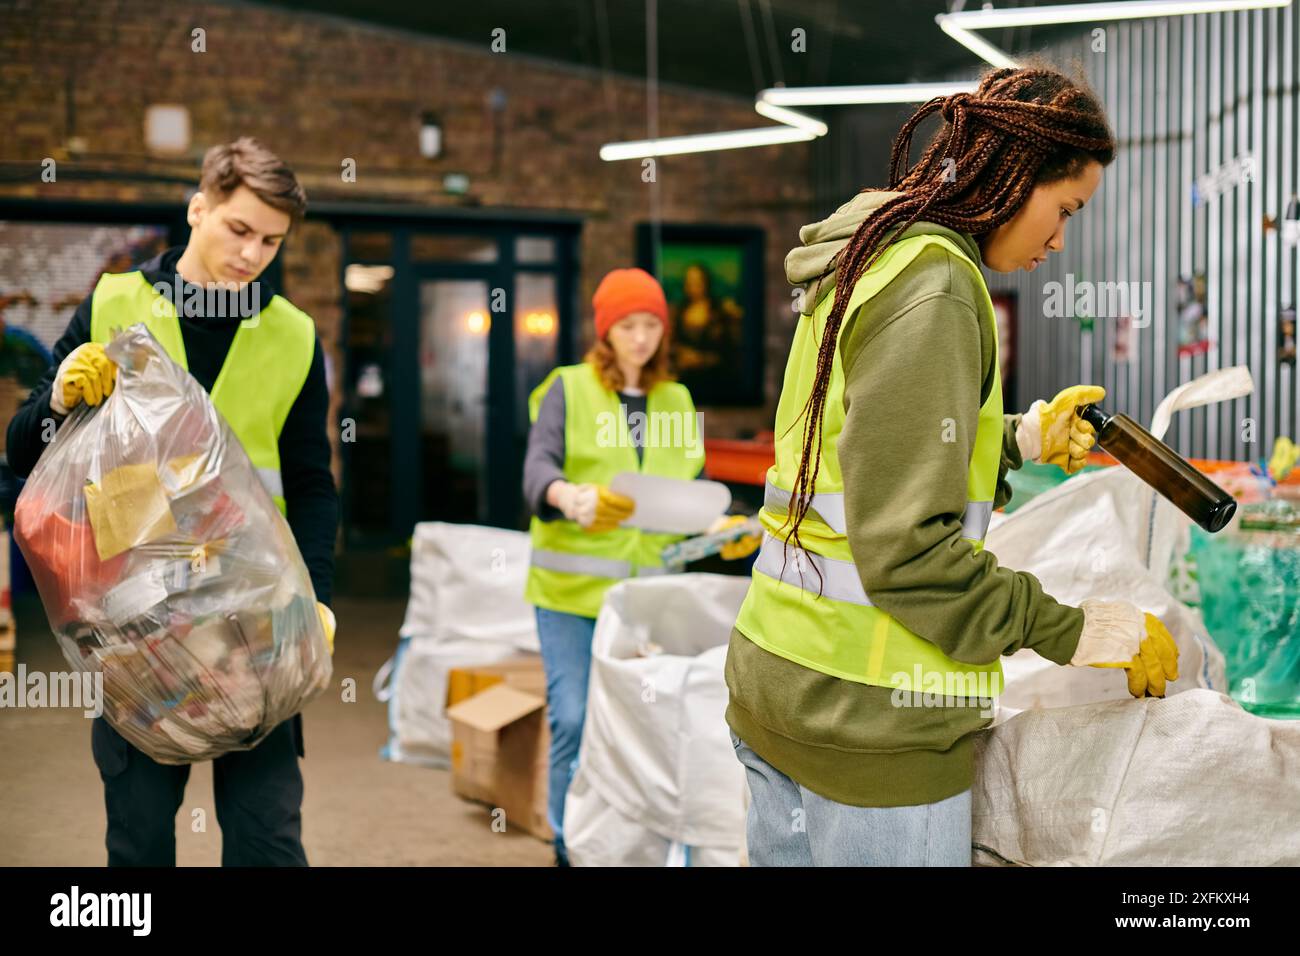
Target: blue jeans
{"x": 566, "y": 657}
{"x": 789, "y": 825}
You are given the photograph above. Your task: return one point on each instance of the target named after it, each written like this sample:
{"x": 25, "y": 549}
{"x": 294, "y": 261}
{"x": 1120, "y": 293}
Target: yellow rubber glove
{"x": 739, "y": 548}
{"x": 1155, "y": 663}
{"x": 86, "y": 375}
{"x": 1053, "y": 433}
{"x": 1285, "y": 455}
{"x": 611, "y": 509}
{"x": 326, "y": 622}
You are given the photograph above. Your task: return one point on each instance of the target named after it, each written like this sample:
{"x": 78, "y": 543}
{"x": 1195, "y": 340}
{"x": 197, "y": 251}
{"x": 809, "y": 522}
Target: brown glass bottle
{"x": 1162, "y": 468}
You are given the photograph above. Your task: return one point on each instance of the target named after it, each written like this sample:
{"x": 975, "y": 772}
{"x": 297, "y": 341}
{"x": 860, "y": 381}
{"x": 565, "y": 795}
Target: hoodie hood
{"x": 821, "y": 241}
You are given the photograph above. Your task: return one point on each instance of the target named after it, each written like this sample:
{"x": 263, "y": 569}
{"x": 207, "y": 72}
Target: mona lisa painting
{"x": 712, "y": 278}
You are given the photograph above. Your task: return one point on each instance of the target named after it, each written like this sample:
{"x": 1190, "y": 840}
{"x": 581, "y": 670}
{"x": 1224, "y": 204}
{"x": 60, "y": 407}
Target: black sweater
{"x": 310, "y": 497}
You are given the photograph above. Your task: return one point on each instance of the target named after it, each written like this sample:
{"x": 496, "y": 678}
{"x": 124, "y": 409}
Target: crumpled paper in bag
{"x": 127, "y": 508}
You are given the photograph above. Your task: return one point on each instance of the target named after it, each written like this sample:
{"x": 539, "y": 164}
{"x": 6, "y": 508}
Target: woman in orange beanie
{"x": 617, "y": 410}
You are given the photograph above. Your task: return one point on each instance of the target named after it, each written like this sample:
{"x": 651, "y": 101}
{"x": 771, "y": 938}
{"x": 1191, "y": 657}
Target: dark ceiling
{"x": 732, "y": 46}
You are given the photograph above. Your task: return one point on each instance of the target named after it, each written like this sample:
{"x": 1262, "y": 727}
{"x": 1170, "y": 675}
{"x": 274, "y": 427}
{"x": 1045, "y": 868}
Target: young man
{"x": 201, "y": 296}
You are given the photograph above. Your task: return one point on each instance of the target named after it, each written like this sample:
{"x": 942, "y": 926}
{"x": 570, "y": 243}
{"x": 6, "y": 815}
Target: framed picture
{"x": 713, "y": 280}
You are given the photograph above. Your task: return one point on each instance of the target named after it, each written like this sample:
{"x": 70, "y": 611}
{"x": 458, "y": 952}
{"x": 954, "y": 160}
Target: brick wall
{"x": 319, "y": 89}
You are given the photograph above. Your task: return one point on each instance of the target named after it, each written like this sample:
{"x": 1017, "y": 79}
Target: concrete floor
{"x": 358, "y": 810}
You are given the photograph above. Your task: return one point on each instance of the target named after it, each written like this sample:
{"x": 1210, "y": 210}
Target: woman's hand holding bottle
{"x": 1053, "y": 433}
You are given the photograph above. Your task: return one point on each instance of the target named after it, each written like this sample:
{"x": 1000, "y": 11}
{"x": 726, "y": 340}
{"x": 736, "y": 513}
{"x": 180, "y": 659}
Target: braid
{"x": 1018, "y": 129}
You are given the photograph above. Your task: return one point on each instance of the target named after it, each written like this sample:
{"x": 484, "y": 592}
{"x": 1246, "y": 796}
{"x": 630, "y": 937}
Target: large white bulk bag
{"x": 658, "y": 781}
{"x": 1076, "y": 772}
{"x": 467, "y": 607}
{"x": 1191, "y": 780}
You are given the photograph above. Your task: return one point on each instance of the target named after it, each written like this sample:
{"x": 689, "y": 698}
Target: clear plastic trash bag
{"x": 164, "y": 564}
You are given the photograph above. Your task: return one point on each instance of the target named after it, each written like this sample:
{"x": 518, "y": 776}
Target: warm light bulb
{"x": 477, "y": 322}
{"x": 539, "y": 323}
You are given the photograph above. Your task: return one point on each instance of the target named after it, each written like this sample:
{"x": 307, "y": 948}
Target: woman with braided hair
{"x": 866, "y": 653}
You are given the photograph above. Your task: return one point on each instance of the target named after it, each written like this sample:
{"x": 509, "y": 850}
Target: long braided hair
{"x": 1019, "y": 129}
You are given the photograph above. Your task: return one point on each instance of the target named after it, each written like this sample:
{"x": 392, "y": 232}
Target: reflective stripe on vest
{"x": 264, "y": 370}
{"x": 975, "y": 520}
{"x": 808, "y": 604}
{"x": 580, "y": 564}
{"x": 571, "y": 569}
{"x": 829, "y": 508}
{"x": 790, "y": 564}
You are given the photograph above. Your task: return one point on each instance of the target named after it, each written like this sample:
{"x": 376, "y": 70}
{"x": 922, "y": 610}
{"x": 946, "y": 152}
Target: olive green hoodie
{"x": 915, "y": 356}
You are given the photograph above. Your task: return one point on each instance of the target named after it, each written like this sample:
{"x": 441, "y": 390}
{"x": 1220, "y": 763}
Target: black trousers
{"x": 258, "y": 800}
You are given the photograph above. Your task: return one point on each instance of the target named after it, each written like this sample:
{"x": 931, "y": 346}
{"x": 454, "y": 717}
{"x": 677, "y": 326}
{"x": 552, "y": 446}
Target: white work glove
{"x": 1028, "y": 434}
{"x": 576, "y": 502}
{"x": 1112, "y": 633}
{"x": 594, "y": 507}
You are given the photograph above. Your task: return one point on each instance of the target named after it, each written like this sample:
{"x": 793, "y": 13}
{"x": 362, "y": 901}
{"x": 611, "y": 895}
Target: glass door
{"x": 448, "y": 331}
{"x": 367, "y": 417}
{"x": 455, "y": 323}
{"x": 536, "y": 341}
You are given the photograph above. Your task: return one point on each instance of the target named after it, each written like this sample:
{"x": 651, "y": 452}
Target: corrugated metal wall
{"x": 1184, "y": 95}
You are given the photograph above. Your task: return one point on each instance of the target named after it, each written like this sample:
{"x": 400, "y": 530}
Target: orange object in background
{"x": 740, "y": 462}
{"x": 1234, "y": 477}
{"x": 62, "y": 557}
{"x": 1207, "y": 466}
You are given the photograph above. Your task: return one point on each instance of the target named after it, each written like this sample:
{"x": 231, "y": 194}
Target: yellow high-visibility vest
{"x": 263, "y": 373}
{"x": 571, "y": 569}
{"x": 841, "y": 633}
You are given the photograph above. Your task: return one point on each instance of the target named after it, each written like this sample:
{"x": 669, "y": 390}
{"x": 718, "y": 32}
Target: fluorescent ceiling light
{"x": 982, "y": 48}
{"x": 797, "y": 127}
{"x": 849, "y": 95}
{"x": 790, "y": 117}
{"x": 1090, "y": 12}
{"x": 959, "y": 25}
{"x": 705, "y": 142}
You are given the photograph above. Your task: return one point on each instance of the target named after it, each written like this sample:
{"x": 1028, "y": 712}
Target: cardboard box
{"x": 523, "y": 673}
{"x": 500, "y": 740}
